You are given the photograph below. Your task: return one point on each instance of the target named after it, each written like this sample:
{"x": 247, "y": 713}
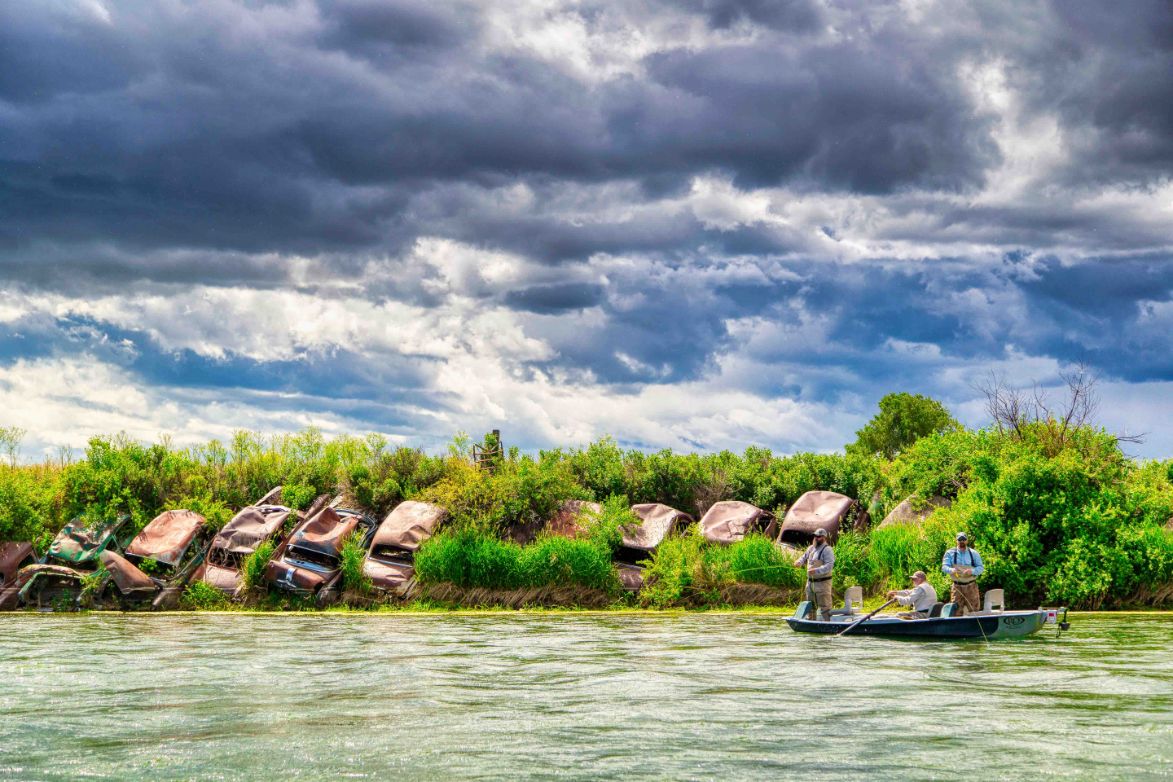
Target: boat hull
{"x": 1008, "y": 624}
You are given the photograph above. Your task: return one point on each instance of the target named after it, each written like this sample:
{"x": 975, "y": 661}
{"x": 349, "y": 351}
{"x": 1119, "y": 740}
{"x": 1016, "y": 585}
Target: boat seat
{"x": 948, "y": 610}
{"x": 935, "y": 611}
{"x": 994, "y": 597}
{"x": 852, "y": 602}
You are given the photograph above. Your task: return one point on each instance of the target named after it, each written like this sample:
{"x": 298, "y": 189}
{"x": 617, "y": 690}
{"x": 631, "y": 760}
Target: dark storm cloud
{"x": 866, "y": 118}
{"x": 389, "y": 27}
{"x": 286, "y": 128}
{"x": 791, "y": 15}
{"x": 555, "y": 298}
{"x": 1106, "y": 71}
{"x": 154, "y": 149}
{"x": 312, "y": 128}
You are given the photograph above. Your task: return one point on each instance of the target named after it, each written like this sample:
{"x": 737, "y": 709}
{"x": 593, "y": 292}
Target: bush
{"x": 202, "y": 596}
{"x": 676, "y": 570}
{"x": 352, "y": 554}
{"x": 252, "y": 570}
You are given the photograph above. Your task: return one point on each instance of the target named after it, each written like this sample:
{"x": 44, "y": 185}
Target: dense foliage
{"x": 1058, "y": 519}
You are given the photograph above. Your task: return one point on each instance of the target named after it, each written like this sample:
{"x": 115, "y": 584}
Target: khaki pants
{"x": 967, "y": 598}
{"x": 819, "y": 593}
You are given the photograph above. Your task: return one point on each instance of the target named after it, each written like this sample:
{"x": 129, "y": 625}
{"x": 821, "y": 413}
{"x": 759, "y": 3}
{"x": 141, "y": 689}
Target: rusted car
{"x": 309, "y": 561}
{"x": 572, "y": 518}
{"x": 159, "y": 562}
{"x": 914, "y": 511}
{"x": 239, "y": 538}
{"x": 13, "y": 557}
{"x": 390, "y": 562}
{"x": 59, "y": 580}
{"x": 656, "y": 522}
{"x": 815, "y": 509}
{"x": 730, "y": 520}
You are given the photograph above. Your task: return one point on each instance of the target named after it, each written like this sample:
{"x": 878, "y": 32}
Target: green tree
{"x": 903, "y": 419}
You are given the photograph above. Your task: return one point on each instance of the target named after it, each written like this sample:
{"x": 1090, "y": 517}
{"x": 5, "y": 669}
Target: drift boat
{"x": 940, "y": 624}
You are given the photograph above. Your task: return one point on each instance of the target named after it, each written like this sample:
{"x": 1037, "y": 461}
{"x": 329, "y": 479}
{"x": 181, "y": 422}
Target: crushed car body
{"x": 239, "y": 538}
{"x": 75, "y": 554}
{"x": 811, "y": 511}
{"x": 914, "y": 511}
{"x": 656, "y": 522}
{"x": 13, "y": 556}
{"x": 174, "y": 543}
{"x": 309, "y": 561}
{"x": 572, "y": 518}
{"x": 390, "y": 562}
{"x": 731, "y": 520}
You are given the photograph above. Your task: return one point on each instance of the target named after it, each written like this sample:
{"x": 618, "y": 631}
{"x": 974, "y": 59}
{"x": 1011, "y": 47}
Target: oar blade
{"x": 853, "y": 625}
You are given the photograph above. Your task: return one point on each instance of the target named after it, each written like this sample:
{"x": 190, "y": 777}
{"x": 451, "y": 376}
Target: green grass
{"x": 252, "y": 571}
{"x": 473, "y": 559}
{"x": 754, "y": 560}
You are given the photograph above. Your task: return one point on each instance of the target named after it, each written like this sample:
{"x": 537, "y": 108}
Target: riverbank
{"x": 1060, "y": 517}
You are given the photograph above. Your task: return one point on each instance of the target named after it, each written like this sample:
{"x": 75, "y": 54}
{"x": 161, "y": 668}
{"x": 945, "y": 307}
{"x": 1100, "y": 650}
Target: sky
{"x": 688, "y": 224}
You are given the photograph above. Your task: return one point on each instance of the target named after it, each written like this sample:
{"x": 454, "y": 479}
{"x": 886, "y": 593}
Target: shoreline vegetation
{"x": 1060, "y": 514}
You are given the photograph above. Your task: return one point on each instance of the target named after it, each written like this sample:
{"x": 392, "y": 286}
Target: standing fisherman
{"x": 819, "y": 558}
{"x": 963, "y": 564}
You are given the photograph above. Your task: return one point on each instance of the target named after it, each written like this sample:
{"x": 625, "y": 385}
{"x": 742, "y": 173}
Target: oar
{"x": 853, "y": 625}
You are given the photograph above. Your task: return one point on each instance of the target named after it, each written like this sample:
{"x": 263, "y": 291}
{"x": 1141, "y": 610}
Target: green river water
{"x": 565, "y": 696}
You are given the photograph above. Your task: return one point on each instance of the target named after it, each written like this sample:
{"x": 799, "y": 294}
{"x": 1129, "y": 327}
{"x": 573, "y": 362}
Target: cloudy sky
{"x": 696, "y": 224}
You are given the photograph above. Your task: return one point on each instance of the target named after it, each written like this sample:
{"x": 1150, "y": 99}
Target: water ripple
{"x": 572, "y": 697}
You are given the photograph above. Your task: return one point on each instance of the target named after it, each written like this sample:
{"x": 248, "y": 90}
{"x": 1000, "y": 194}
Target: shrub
{"x": 202, "y": 596}
{"x": 674, "y": 571}
{"x": 252, "y": 570}
{"x": 92, "y": 583}
{"x": 605, "y": 529}
{"x": 351, "y": 555}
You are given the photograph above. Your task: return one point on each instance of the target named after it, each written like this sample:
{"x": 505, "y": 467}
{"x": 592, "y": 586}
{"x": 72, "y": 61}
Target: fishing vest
{"x": 972, "y": 563}
{"x": 817, "y": 554}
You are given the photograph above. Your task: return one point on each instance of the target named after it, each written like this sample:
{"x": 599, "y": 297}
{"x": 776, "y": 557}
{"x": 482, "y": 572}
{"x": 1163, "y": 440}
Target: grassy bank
{"x": 1060, "y": 516}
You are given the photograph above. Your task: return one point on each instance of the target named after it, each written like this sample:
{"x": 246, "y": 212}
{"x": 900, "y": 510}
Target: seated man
{"x": 922, "y": 597}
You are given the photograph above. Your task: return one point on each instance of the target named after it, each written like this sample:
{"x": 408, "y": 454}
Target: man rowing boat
{"x": 921, "y": 597}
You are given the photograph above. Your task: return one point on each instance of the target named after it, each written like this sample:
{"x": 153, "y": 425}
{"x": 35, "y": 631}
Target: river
{"x": 565, "y": 696}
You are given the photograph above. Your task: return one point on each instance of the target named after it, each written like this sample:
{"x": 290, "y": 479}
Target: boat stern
{"x": 1016, "y": 624}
